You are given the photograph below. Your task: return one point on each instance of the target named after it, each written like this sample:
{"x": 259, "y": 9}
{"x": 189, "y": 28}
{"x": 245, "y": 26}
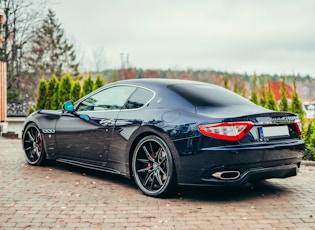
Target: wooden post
{"x": 3, "y": 92}
{"x": 3, "y": 80}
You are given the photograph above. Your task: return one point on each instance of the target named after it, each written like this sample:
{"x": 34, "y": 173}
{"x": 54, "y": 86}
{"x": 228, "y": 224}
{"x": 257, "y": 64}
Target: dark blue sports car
{"x": 164, "y": 133}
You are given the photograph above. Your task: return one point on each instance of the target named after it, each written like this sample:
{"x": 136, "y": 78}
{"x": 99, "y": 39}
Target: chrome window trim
{"x": 100, "y": 90}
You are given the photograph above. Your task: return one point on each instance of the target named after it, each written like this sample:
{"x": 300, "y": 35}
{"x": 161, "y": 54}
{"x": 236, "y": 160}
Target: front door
{"x": 86, "y": 133}
{"x": 86, "y": 137}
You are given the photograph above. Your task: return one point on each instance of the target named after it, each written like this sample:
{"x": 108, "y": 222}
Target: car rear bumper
{"x": 226, "y": 167}
{"x": 256, "y": 174}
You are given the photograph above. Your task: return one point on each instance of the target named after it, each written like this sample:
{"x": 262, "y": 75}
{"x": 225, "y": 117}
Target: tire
{"x": 33, "y": 145}
{"x": 153, "y": 168}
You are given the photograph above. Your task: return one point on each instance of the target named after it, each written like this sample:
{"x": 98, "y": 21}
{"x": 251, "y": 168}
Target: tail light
{"x": 298, "y": 127}
{"x": 229, "y": 131}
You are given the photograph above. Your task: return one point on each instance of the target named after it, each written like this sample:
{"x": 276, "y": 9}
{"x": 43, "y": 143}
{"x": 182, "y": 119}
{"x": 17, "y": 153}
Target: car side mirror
{"x": 68, "y": 106}
{"x": 85, "y": 117}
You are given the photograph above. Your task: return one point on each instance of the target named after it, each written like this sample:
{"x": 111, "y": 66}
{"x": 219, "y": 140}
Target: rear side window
{"x": 208, "y": 95}
{"x": 139, "y": 98}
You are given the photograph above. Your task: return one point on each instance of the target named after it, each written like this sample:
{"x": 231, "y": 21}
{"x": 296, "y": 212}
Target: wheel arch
{"x": 32, "y": 124}
{"x": 147, "y": 131}
{"x": 36, "y": 123}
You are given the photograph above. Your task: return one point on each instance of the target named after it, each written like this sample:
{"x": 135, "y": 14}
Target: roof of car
{"x": 157, "y": 81}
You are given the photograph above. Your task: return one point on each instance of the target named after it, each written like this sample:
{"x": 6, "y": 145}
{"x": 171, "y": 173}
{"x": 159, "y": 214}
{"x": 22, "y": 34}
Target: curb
{"x": 308, "y": 163}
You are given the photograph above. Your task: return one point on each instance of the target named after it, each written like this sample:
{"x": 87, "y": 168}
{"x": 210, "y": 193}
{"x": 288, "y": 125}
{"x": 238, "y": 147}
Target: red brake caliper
{"x": 40, "y": 144}
{"x": 149, "y": 164}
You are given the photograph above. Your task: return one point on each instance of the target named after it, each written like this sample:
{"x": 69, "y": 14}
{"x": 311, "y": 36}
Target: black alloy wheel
{"x": 153, "y": 168}
{"x": 33, "y": 145}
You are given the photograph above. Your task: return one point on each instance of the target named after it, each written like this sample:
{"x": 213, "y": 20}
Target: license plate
{"x": 274, "y": 131}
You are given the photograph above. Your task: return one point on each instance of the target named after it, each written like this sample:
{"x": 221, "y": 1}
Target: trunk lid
{"x": 268, "y": 126}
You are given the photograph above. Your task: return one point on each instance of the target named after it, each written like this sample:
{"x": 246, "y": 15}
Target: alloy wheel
{"x": 153, "y": 167}
{"x": 33, "y": 145}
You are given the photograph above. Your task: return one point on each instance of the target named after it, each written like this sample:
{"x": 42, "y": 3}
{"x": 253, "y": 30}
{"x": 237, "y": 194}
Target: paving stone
{"x": 60, "y": 196}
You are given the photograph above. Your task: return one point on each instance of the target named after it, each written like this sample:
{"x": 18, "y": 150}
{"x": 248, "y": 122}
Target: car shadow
{"x": 238, "y": 193}
{"x": 247, "y": 191}
{"x": 110, "y": 177}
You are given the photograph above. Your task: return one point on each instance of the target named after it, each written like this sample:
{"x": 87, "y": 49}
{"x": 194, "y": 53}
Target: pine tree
{"x": 41, "y": 96}
{"x": 66, "y": 83}
{"x": 254, "y": 97}
{"x": 98, "y": 83}
{"x": 226, "y": 83}
{"x": 31, "y": 109}
{"x": 88, "y": 85}
{"x": 271, "y": 102}
{"x": 50, "y": 92}
{"x": 51, "y": 54}
{"x": 244, "y": 91}
{"x": 309, "y": 138}
{"x": 284, "y": 105}
{"x": 263, "y": 99}
{"x": 75, "y": 91}
{"x": 309, "y": 132}
{"x": 235, "y": 87}
{"x": 297, "y": 107}
{"x": 312, "y": 140}
{"x": 55, "y": 103}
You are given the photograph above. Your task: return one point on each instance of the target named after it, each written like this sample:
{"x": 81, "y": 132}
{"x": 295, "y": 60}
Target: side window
{"x": 108, "y": 99}
{"x": 139, "y": 98}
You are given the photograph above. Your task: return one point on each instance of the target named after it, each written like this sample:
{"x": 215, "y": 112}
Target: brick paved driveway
{"x": 65, "y": 197}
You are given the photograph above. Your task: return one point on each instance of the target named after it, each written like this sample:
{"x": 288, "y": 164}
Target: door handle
{"x": 105, "y": 122}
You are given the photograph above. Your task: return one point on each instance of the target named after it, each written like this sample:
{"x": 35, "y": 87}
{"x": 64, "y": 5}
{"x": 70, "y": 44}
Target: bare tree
{"x": 100, "y": 59}
{"x": 22, "y": 16}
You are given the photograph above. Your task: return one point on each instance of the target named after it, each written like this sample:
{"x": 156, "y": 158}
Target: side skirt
{"x": 87, "y": 165}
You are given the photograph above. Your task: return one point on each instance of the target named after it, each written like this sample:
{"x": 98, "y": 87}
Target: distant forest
{"x": 241, "y": 83}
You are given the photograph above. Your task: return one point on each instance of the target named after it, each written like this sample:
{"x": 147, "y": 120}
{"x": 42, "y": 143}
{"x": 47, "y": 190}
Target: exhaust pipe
{"x": 227, "y": 175}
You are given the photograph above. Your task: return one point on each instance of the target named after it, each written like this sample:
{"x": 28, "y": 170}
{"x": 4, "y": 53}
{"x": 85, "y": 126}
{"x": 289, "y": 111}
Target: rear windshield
{"x": 208, "y": 95}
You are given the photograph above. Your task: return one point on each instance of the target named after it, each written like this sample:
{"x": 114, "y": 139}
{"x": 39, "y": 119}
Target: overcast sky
{"x": 261, "y": 36}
